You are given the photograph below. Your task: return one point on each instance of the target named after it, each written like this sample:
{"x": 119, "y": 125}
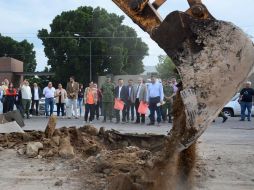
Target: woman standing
{"x": 80, "y": 98}
{"x": 10, "y": 94}
{"x": 60, "y": 95}
{"x": 90, "y": 100}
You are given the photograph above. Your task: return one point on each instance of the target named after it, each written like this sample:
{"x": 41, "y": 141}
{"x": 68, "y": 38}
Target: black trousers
{"x": 97, "y": 110}
{"x": 8, "y": 104}
{"x": 89, "y": 109}
{"x": 154, "y": 108}
{"x": 117, "y": 112}
{"x": 60, "y": 107}
{"x": 138, "y": 114}
{"x": 36, "y": 103}
{"x": 130, "y": 108}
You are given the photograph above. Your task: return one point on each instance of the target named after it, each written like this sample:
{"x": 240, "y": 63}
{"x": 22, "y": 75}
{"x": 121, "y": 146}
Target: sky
{"x": 21, "y": 19}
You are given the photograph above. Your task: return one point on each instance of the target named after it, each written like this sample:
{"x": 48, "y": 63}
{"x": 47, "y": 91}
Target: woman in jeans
{"x": 60, "y": 95}
{"x": 80, "y": 98}
{"x": 90, "y": 100}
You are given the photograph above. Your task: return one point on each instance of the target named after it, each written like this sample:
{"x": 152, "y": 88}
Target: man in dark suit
{"x": 121, "y": 92}
{"x": 130, "y": 101}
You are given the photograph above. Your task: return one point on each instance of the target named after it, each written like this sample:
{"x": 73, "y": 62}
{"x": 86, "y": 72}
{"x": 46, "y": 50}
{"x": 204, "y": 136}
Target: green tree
{"x": 22, "y": 51}
{"x": 166, "y": 68}
{"x": 70, "y": 55}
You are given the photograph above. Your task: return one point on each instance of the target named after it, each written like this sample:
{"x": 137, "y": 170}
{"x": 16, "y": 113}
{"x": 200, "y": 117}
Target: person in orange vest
{"x": 90, "y": 100}
{"x": 10, "y": 95}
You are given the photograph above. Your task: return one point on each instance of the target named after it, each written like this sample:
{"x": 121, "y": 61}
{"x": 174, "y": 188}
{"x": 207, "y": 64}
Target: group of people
{"x": 158, "y": 95}
{"x": 21, "y": 97}
{"x": 26, "y": 99}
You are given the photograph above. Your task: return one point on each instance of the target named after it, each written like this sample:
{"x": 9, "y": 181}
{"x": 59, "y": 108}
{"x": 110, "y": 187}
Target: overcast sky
{"x": 21, "y": 19}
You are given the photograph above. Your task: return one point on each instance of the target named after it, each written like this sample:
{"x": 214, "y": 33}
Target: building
{"x": 11, "y": 69}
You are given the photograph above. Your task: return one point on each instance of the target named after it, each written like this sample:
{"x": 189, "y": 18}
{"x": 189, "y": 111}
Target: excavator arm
{"x": 145, "y": 14}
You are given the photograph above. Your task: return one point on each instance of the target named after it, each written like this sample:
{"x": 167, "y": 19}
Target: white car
{"x": 233, "y": 107}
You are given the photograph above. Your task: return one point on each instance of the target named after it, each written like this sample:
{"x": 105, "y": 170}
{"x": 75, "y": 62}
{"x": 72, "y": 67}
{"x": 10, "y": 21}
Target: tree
{"x": 166, "y": 68}
{"x": 115, "y": 48}
{"x": 22, "y": 51}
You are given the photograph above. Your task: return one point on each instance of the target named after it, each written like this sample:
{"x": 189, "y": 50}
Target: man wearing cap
{"x": 107, "y": 91}
{"x": 245, "y": 100}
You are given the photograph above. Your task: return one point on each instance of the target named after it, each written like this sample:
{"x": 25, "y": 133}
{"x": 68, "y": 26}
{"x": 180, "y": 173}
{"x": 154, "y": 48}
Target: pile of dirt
{"x": 115, "y": 160}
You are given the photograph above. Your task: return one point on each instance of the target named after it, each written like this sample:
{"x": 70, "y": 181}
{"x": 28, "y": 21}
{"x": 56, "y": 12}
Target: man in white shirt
{"x": 155, "y": 98}
{"x": 26, "y": 95}
{"x": 36, "y": 96}
{"x": 49, "y": 93}
{"x": 140, "y": 95}
{"x": 121, "y": 93}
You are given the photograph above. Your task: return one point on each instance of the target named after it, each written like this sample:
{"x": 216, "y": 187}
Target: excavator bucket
{"x": 213, "y": 59}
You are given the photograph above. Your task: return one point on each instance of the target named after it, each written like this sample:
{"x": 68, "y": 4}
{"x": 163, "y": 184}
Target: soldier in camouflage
{"x": 107, "y": 90}
{"x": 168, "y": 98}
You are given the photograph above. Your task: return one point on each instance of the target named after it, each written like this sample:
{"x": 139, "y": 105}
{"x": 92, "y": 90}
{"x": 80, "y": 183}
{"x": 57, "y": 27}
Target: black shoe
{"x": 241, "y": 120}
{"x": 224, "y": 119}
{"x": 149, "y": 124}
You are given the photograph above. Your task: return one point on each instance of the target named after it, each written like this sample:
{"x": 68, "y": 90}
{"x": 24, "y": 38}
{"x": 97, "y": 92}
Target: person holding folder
{"x": 121, "y": 95}
{"x": 140, "y": 95}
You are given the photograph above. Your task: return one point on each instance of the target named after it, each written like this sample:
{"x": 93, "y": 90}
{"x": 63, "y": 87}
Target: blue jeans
{"x": 80, "y": 103}
{"x": 49, "y": 102}
{"x": 244, "y": 106}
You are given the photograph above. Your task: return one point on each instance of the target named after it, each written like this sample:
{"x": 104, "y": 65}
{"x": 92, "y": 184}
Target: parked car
{"x": 233, "y": 107}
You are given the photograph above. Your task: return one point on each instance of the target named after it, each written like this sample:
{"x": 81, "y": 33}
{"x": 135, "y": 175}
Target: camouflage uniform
{"x": 167, "y": 107}
{"x": 107, "y": 100}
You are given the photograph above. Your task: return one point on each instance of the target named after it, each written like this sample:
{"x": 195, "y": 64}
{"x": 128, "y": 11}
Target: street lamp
{"x": 90, "y": 54}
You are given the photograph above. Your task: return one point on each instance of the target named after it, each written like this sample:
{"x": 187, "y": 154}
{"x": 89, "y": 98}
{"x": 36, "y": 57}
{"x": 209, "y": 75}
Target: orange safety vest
{"x": 90, "y": 97}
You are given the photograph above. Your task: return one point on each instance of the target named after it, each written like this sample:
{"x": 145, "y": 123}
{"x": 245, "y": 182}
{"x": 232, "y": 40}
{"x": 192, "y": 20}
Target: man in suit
{"x": 121, "y": 92}
{"x": 72, "y": 94}
{"x": 36, "y": 96}
{"x": 130, "y": 101}
{"x": 140, "y": 95}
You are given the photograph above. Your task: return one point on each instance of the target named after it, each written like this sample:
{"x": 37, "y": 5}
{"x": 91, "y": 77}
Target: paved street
{"x": 232, "y": 125}
{"x": 40, "y": 122}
